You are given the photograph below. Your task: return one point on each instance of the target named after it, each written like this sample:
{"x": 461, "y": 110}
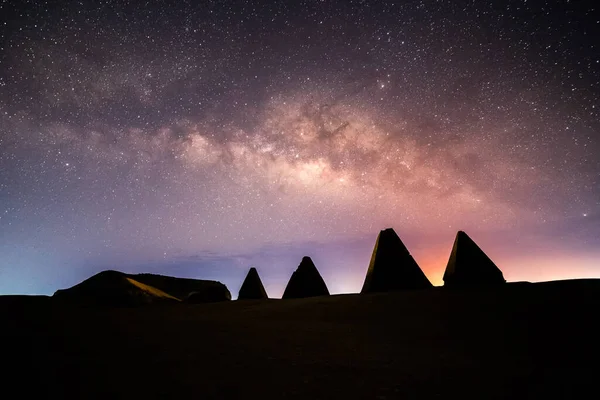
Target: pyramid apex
{"x": 389, "y": 234}
{"x": 306, "y": 261}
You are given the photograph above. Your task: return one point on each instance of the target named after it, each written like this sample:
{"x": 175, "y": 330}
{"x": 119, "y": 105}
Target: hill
{"x": 182, "y": 288}
{"x": 114, "y": 288}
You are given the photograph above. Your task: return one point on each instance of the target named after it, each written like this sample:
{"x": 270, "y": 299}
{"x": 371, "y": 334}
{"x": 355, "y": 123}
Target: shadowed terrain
{"x": 517, "y": 340}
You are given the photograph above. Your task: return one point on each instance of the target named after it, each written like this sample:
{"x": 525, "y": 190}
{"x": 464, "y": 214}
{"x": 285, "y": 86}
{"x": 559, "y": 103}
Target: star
{"x": 258, "y": 133}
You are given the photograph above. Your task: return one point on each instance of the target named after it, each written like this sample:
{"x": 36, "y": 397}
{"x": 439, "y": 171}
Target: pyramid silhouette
{"x": 392, "y": 267}
{"x": 252, "y": 288}
{"x": 469, "y": 265}
{"x": 305, "y": 282}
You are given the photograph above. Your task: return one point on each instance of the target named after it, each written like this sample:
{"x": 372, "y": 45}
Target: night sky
{"x": 199, "y": 140}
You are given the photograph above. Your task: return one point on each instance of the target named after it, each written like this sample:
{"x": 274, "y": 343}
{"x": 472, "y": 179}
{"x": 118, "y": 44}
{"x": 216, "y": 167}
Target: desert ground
{"x": 517, "y": 341}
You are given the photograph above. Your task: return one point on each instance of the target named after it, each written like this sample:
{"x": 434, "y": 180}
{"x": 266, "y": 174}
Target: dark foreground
{"x": 520, "y": 341}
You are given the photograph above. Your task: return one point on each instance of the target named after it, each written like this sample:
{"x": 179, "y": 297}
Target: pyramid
{"x": 469, "y": 265}
{"x": 305, "y": 282}
{"x": 252, "y": 288}
{"x": 392, "y": 267}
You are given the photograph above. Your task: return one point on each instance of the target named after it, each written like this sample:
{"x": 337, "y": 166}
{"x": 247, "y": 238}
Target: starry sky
{"x": 197, "y": 139}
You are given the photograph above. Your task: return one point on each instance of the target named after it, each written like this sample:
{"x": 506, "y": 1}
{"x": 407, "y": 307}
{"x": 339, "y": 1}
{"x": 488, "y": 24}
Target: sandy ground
{"x": 519, "y": 341}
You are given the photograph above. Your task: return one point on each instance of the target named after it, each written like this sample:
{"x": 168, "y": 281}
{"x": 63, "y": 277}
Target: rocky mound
{"x": 114, "y": 288}
{"x": 305, "y": 282}
{"x": 182, "y": 288}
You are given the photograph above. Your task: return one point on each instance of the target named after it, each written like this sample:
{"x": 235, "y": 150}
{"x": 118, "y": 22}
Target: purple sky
{"x": 200, "y": 141}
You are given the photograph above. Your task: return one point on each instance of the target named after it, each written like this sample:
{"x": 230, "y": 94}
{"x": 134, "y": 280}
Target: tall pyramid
{"x": 392, "y": 267}
{"x": 305, "y": 282}
{"x": 469, "y": 265}
{"x": 252, "y": 288}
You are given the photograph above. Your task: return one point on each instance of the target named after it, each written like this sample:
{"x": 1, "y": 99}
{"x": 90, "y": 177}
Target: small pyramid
{"x": 252, "y": 288}
{"x": 469, "y": 265}
{"x": 305, "y": 282}
{"x": 392, "y": 267}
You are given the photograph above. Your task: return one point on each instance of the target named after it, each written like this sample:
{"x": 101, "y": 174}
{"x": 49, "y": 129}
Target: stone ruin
{"x": 252, "y": 288}
{"x": 470, "y": 266}
{"x": 392, "y": 268}
{"x": 305, "y": 282}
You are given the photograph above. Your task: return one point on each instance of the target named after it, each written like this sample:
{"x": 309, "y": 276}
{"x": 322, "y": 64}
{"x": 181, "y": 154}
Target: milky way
{"x": 200, "y": 140}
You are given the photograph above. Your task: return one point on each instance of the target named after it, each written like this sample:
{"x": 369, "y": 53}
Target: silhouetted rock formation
{"x": 252, "y": 288}
{"x": 392, "y": 267}
{"x": 182, "y": 288}
{"x": 211, "y": 294}
{"x": 305, "y": 282}
{"x": 114, "y": 288}
{"x": 469, "y": 265}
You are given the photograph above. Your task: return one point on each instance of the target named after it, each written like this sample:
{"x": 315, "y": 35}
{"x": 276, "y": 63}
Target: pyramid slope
{"x": 468, "y": 265}
{"x": 305, "y": 282}
{"x": 252, "y": 288}
{"x": 392, "y": 267}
